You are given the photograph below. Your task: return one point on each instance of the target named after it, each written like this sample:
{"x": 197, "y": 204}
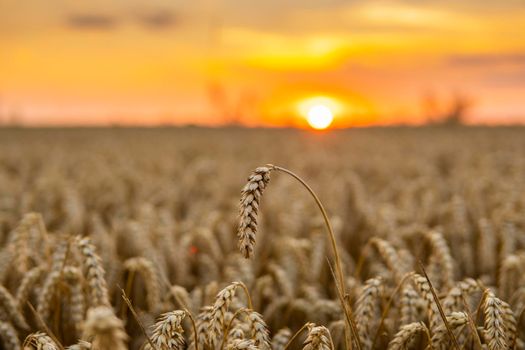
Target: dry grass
{"x": 153, "y": 214}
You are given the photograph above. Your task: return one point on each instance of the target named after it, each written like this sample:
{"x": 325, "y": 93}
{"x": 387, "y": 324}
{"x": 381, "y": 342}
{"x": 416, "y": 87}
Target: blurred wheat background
{"x": 87, "y": 214}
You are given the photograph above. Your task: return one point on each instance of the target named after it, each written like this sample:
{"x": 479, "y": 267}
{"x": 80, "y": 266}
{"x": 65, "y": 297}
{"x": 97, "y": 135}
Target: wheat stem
{"x": 441, "y": 312}
{"x": 338, "y": 266}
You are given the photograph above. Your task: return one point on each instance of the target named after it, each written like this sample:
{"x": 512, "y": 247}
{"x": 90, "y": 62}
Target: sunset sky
{"x": 259, "y": 62}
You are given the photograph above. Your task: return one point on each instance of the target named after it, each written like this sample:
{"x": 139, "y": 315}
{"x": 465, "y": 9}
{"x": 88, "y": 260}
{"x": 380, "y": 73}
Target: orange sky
{"x": 220, "y": 61}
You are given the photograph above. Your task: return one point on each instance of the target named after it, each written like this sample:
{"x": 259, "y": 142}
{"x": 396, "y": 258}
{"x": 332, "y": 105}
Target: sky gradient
{"x": 257, "y": 63}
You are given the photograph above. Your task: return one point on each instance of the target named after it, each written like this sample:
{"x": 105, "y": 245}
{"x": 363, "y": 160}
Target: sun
{"x": 320, "y": 116}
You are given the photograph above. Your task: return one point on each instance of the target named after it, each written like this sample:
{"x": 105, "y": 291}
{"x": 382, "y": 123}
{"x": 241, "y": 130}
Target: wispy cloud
{"x": 159, "y": 20}
{"x": 91, "y": 21}
{"x": 154, "y": 20}
{"x": 509, "y": 78}
{"x": 494, "y": 70}
{"x": 488, "y": 59}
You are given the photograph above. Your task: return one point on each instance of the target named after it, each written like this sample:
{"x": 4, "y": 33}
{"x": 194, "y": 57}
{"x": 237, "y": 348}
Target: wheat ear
{"x": 241, "y": 344}
{"x": 406, "y": 334}
{"x": 9, "y": 336}
{"x": 220, "y": 308}
{"x": 251, "y": 193}
{"x": 47, "y": 295}
{"x": 98, "y": 290}
{"x": 281, "y": 338}
{"x": 204, "y": 323}
{"x": 81, "y": 345}
{"x": 149, "y": 275}
{"x": 454, "y": 299}
{"x": 104, "y": 329}
{"x": 409, "y": 305}
{"x": 259, "y": 330}
{"x": 423, "y": 288}
{"x": 441, "y": 262}
{"x": 318, "y": 338}
{"x": 456, "y": 320}
{"x": 366, "y": 310}
{"x": 10, "y": 306}
{"x": 249, "y": 208}
{"x": 73, "y": 278}
{"x": 39, "y": 341}
{"x": 168, "y": 332}
{"x": 500, "y": 324}
{"x": 27, "y": 285}
{"x": 390, "y": 257}
{"x": 439, "y": 307}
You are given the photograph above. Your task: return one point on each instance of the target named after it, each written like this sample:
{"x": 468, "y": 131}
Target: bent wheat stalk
{"x": 296, "y": 334}
{"x": 250, "y": 198}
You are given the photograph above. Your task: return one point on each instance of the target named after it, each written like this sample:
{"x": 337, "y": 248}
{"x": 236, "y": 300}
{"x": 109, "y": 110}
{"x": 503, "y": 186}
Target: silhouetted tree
{"x": 231, "y": 108}
{"x": 452, "y": 113}
{"x": 457, "y": 110}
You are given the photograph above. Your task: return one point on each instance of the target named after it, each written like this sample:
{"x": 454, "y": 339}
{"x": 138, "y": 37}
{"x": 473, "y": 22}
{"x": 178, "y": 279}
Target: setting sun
{"x": 320, "y": 117}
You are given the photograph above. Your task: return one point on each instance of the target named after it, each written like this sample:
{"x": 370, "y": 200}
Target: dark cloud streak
{"x": 91, "y": 21}
{"x": 487, "y": 59}
{"x": 159, "y": 20}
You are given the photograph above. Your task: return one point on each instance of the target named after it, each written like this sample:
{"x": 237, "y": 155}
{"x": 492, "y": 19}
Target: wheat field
{"x": 203, "y": 239}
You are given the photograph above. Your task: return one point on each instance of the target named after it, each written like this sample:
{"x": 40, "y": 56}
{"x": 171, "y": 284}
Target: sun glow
{"x": 319, "y": 112}
{"x": 320, "y": 117}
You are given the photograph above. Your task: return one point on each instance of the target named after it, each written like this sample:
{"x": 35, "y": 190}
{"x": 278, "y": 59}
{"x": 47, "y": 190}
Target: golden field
{"x": 90, "y": 215}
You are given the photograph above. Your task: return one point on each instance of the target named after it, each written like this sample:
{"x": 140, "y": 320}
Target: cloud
{"x": 154, "y": 20}
{"x": 91, "y": 21}
{"x": 501, "y": 70}
{"x": 517, "y": 58}
{"x": 159, "y": 20}
{"x": 510, "y": 78}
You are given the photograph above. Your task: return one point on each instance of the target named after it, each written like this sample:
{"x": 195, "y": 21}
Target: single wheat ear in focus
{"x": 249, "y": 208}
